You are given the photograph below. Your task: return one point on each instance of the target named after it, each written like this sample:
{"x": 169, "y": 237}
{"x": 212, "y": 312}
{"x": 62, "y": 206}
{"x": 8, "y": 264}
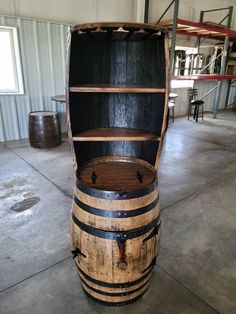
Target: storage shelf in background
{"x": 115, "y": 134}
{"x": 205, "y": 77}
{"x": 115, "y": 89}
{"x": 206, "y": 29}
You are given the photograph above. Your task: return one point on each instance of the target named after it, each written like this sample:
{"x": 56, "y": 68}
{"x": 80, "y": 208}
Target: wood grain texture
{"x": 145, "y": 150}
{"x": 122, "y": 84}
{"x": 115, "y": 89}
{"x": 116, "y": 224}
{"x": 132, "y": 111}
{"x": 44, "y": 129}
{"x": 115, "y": 290}
{"x": 115, "y": 261}
{"x": 117, "y": 102}
{"x": 129, "y": 204}
{"x": 102, "y": 261}
{"x": 115, "y": 134}
{"x": 116, "y": 175}
{"x": 114, "y": 299}
{"x": 116, "y": 25}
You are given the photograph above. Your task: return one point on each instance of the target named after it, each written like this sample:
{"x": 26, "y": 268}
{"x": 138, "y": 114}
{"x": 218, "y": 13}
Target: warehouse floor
{"x": 196, "y": 268}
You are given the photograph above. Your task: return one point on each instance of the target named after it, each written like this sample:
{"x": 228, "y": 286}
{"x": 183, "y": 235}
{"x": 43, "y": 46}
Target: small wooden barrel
{"x": 44, "y": 129}
{"x": 115, "y": 228}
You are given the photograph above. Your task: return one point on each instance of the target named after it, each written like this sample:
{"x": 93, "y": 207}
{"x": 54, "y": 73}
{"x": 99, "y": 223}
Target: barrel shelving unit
{"x": 117, "y": 95}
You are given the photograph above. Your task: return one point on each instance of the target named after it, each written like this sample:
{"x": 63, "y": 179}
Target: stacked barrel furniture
{"x": 117, "y": 102}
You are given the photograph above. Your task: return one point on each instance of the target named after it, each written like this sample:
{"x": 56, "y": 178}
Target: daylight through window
{"x": 10, "y": 67}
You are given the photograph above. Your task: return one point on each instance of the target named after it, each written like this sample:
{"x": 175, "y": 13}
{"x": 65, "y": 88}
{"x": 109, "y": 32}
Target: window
{"x": 185, "y": 62}
{"x": 11, "y": 81}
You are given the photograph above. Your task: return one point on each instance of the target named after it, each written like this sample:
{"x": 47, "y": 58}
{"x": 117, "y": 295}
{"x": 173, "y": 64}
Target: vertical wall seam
{"x": 39, "y": 75}
{"x": 2, "y": 125}
{"x": 63, "y": 46}
{"x": 23, "y": 61}
{"x": 16, "y": 117}
{"x": 51, "y": 64}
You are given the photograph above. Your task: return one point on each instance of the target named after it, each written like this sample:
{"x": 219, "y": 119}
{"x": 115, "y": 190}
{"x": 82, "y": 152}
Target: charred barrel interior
{"x": 117, "y": 106}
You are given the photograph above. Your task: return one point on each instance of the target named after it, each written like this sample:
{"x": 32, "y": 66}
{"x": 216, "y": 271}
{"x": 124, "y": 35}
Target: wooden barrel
{"x": 44, "y": 129}
{"x": 115, "y": 228}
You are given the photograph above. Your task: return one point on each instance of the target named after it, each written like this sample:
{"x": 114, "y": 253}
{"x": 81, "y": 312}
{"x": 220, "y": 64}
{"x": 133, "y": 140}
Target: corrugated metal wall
{"x": 43, "y": 52}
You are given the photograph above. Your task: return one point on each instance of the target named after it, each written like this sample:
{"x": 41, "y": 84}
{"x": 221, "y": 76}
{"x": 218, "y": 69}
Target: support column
{"x": 173, "y": 37}
{"x": 222, "y": 71}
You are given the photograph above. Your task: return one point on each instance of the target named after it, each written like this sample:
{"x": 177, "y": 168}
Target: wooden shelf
{"x": 205, "y": 77}
{"x": 115, "y": 89}
{"x": 115, "y": 134}
{"x": 207, "y": 29}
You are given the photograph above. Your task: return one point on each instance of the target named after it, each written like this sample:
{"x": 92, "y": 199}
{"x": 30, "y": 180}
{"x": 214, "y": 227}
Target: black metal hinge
{"x": 154, "y": 232}
{"x": 152, "y": 264}
{"x": 77, "y": 252}
{"x": 93, "y": 177}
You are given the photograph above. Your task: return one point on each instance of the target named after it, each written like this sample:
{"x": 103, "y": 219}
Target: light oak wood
{"x": 129, "y": 204}
{"x": 164, "y": 123}
{"x": 115, "y": 299}
{"x": 115, "y": 134}
{"x": 107, "y": 260}
{"x": 115, "y": 290}
{"x": 103, "y": 261}
{"x": 115, "y": 89}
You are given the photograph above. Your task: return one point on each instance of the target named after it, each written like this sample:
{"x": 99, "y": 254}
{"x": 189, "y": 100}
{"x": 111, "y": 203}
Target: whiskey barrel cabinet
{"x": 117, "y": 102}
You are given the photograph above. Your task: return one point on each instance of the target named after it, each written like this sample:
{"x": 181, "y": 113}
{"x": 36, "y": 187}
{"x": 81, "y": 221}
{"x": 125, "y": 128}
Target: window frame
{"x": 183, "y": 83}
{"x": 16, "y": 61}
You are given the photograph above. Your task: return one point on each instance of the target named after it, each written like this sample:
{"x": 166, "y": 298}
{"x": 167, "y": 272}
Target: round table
{"x": 59, "y": 98}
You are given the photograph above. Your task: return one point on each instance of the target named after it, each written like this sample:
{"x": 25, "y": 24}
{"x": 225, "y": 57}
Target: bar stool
{"x": 195, "y": 105}
{"x": 171, "y": 107}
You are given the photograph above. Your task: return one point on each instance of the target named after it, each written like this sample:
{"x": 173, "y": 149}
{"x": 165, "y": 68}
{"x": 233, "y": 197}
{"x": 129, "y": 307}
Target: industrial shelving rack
{"x": 207, "y": 30}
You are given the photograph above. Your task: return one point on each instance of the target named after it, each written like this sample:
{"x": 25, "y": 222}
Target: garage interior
{"x": 196, "y": 265}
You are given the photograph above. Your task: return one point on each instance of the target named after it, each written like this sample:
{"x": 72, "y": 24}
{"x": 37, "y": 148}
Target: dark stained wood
{"x": 115, "y": 89}
{"x": 115, "y": 134}
{"x": 95, "y": 62}
{"x": 115, "y": 175}
{"x": 87, "y": 27}
{"x": 128, "y": 110}
{"x": 44, "y": 129}
{"x": 144, "y": 150}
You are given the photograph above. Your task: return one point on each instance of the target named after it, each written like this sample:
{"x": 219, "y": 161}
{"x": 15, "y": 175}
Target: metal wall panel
{"x": 204, "y": 86}
{"x": 43, "y": 51}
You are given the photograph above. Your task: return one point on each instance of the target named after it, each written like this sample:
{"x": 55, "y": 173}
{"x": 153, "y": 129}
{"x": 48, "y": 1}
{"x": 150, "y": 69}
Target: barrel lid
{"x": 118, "y": 174}
{"x": 43, "y": 113}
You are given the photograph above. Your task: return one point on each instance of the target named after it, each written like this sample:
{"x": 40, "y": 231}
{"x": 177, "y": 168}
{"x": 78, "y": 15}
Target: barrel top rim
{"x": 94, "y": 191}
{"x": 43, "y": 113}
{"x": 87, "y": 26}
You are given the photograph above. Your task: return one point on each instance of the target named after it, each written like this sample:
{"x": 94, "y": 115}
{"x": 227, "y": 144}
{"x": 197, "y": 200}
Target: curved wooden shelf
{"x": 115, "y": 89}
{"x": 115, "y": 134}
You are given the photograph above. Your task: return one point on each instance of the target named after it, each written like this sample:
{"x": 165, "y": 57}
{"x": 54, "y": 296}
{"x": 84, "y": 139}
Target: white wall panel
{"x": 43, "y": 50}
{"x": 72, "y": 11}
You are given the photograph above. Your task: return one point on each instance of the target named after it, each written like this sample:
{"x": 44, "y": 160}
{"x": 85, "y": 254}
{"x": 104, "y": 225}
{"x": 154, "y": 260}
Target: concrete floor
{"x": 196, "y": 268}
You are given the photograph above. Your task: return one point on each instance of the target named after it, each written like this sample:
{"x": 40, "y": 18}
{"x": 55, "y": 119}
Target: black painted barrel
{"x": 44, "y": 129}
